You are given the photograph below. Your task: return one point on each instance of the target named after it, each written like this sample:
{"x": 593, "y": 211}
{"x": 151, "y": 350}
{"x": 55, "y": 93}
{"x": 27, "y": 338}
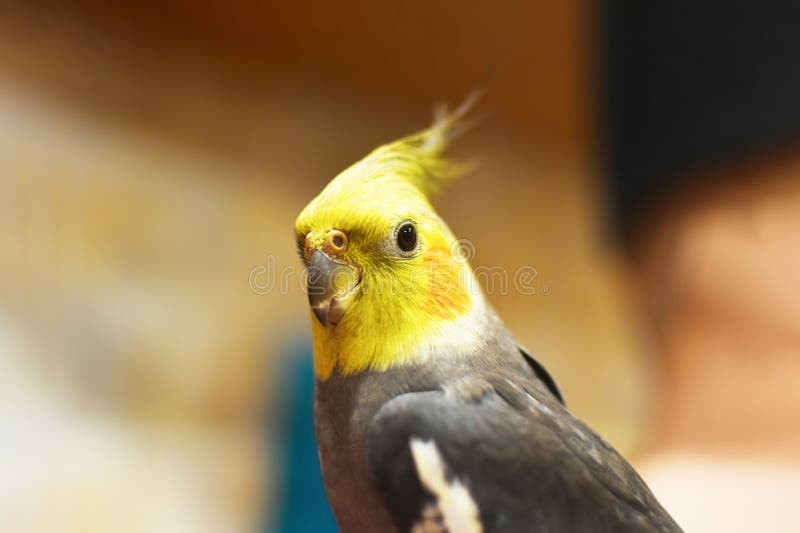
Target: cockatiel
{"x": 429, "y": 416}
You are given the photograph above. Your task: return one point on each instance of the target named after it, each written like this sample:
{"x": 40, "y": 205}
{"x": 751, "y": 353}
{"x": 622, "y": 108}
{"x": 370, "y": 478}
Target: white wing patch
{"x": 453, "y": 499}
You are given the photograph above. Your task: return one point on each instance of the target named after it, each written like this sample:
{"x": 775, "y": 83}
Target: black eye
{"x": 407, "y": 237}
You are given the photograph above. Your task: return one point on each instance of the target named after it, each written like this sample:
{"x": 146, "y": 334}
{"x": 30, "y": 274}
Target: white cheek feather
{"x": 458, "y": 509}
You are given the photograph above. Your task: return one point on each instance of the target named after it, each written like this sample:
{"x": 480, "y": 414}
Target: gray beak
{"x": 331, "y": 287}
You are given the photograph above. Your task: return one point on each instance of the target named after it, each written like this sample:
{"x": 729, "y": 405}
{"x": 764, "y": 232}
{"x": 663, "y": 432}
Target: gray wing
{"x": 542, "y": 373}
{"x": 493, "y": 456}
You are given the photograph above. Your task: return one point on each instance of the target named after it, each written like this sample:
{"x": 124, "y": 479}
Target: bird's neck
{"x": 409, "y": 336}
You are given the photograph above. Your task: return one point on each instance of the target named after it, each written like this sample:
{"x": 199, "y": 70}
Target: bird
{"x": 429, "y": 416}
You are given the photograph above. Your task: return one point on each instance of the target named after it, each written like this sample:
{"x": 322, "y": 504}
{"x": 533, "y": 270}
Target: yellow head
{"x": 386, "y": 277}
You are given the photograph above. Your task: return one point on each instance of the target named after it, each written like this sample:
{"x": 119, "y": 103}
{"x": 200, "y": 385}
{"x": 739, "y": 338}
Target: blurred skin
{"x": 718, "y": 272}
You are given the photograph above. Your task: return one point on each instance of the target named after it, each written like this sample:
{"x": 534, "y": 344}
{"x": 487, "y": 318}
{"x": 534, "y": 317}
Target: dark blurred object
{"x": 702, "y": 123}
{"x": 693, "y": 84}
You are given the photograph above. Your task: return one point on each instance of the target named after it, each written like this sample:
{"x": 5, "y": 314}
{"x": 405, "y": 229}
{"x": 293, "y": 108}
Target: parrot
{"x": 429, "y": 416}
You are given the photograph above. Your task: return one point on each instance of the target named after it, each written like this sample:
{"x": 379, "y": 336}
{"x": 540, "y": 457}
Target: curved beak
{"x": 332, "y": 287}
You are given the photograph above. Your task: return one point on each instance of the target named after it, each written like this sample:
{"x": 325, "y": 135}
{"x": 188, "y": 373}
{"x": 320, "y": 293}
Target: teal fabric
{"x": 303, "y": 506}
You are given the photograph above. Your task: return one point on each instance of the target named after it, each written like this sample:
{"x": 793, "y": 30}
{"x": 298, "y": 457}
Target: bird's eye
{"x": 407, "y": 237}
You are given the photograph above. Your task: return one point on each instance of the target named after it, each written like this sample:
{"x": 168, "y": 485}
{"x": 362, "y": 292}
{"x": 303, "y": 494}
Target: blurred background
{"x": 154, "y": 335}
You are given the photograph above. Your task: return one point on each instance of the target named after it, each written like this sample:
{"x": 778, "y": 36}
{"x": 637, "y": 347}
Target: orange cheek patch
{"x": 448, "y": 297}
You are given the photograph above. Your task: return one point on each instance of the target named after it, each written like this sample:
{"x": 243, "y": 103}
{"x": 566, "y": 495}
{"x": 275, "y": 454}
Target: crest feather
{"x": 418, "y": 158}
